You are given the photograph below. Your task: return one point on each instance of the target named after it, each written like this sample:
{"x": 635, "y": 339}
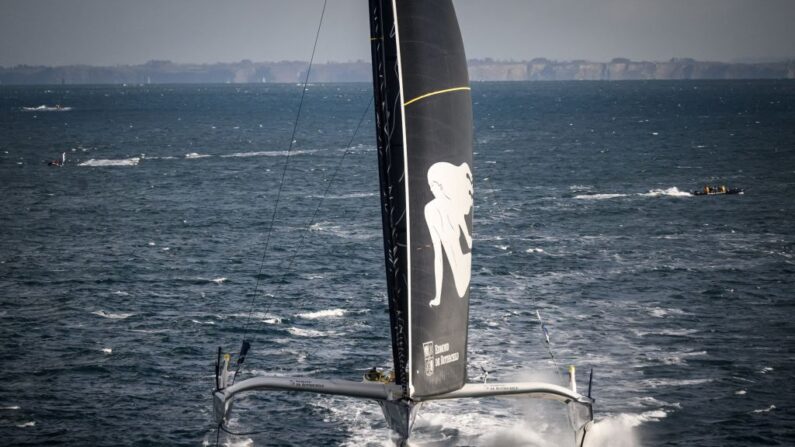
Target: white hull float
{"x": 399, "y": 411}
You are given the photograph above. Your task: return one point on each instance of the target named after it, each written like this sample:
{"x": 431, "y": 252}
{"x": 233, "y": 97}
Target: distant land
{"x": 243, "y": 72}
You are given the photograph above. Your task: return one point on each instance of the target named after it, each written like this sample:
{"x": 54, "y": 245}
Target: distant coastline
{"x": 246, "y": 72}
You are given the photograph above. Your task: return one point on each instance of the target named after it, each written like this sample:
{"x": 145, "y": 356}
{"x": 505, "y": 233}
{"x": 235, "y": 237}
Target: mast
{"x": 389, "y": 139}
{"x": 424, "y": 135}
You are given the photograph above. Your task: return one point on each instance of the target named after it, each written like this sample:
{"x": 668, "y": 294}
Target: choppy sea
{"x": 123, "y": 271}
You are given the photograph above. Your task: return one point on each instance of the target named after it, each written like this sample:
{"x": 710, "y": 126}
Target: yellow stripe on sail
{"x": 437, "y": 92}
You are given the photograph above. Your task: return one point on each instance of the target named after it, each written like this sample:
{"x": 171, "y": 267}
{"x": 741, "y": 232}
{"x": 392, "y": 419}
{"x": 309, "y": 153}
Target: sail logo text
{"x": 434, "y": 356}
{"x": 428, "y": 350}
{"x": 447, "y": 358}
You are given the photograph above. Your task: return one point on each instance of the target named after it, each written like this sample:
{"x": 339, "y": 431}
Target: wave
{"x": 298, "y": 332}
{"x": 344, "y": 231}
{"x": 270, "y": 153}
{"x": 195, "y": 155}
{"x": 671, "y": 192}
{"x": 111, "y": 315}
{"x": 328, "y": 313}
{"x": 353, "y": 195}
{"x": 212, "y": 323}
{"x": 660, "y": 192}
{"x": 44, "y": 108}
{"x": 267, "y": 318}
{"x": 618, "y": 430}
{"x": 656, "y": 383}
{"x": 659, "y": 312}
{"x": 669, "y": 332}
{"x": 676, "y": 358}
{"x": 123, "y": 162}
{"x": 598, "y": 196}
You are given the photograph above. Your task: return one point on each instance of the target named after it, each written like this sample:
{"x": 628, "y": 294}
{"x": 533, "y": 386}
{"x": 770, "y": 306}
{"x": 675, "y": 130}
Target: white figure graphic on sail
{"x": 445, "y": 215}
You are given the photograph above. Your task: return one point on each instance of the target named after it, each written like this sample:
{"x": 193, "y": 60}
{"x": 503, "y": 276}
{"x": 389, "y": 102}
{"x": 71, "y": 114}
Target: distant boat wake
{"x": 134, "y": 161}
{"x": 123, "y": 162}
{"x": 45, "y": 108}
{"x": 668, "y": 192}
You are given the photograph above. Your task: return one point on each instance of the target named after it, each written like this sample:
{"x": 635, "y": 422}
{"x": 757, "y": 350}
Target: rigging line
{"x": 311, "y": 220}
{"x": 547, "y": 341}
{"x": 549, "y": 346}
{"x": 284, "y": 171}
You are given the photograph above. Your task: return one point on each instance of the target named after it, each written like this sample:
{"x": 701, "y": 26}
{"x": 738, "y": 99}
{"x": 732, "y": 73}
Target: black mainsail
{"x": 424, "y": 132}
{"x": 423, "y": 114}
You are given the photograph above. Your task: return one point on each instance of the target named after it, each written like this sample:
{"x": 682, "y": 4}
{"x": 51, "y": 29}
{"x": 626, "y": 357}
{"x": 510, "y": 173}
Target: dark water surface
{"x": 121, "y": 272}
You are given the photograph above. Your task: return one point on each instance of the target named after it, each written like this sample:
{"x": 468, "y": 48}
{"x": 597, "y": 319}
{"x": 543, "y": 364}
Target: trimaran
{"x": 423, "y": 112}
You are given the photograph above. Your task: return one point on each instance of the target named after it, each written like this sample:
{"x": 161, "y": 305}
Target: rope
{"x": 544, "y": 330}
{"x": 284, "y": 171}
{"x": 549, "y": 346}
{"x": 311, "y": 219}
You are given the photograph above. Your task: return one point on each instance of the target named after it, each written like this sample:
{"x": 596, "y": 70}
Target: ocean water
{"x": 123, "y": 271}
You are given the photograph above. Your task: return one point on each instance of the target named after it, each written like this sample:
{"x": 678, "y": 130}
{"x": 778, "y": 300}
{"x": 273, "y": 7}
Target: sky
{"x": 115, "y": 32}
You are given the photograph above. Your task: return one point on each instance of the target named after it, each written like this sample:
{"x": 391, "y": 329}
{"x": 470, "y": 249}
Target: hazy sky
{"x": 109, "y": 32}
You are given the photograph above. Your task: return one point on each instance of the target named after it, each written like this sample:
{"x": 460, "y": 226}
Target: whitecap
{"x": 670, "y": 192}
{"x": 120, "y": 293}
{"x": 27, "y": 424}
{"x": 219, "y": 281}
{"x": 195, "y": 155}
{"x": 659, "y": 312}
{"x": 111, "y": 315}
{"x": 270, "y": 153}
{"x": 45, "y": 108}
{"x": 534, "y": 250}
{"x": 671, "y": 332}
{"x": 298, "y": 332}
{"x": 353, "y": 195}
{"x": 202, "y": 322}
{"x": 765, "y": 410}
{"x": 741, "y": 392}
{"x": 107, "y": 350}
{"x": 655, "y": 383}
{"x": 267, "y": 318}
{"x": 10, "y": 407}
{"x": 328, "y": 313}
{"x": 102, "y": 162}
{"x": 344, "y": 231}
{"x": 618, "y": 430}
{"x": 598, "y": 196}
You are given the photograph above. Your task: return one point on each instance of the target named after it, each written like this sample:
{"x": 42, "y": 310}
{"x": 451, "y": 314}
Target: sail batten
{"x": 437, "y": 92}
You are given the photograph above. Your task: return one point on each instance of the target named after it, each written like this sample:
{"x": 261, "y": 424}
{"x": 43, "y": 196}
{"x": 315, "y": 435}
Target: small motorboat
{"x": 717, "y": 190}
